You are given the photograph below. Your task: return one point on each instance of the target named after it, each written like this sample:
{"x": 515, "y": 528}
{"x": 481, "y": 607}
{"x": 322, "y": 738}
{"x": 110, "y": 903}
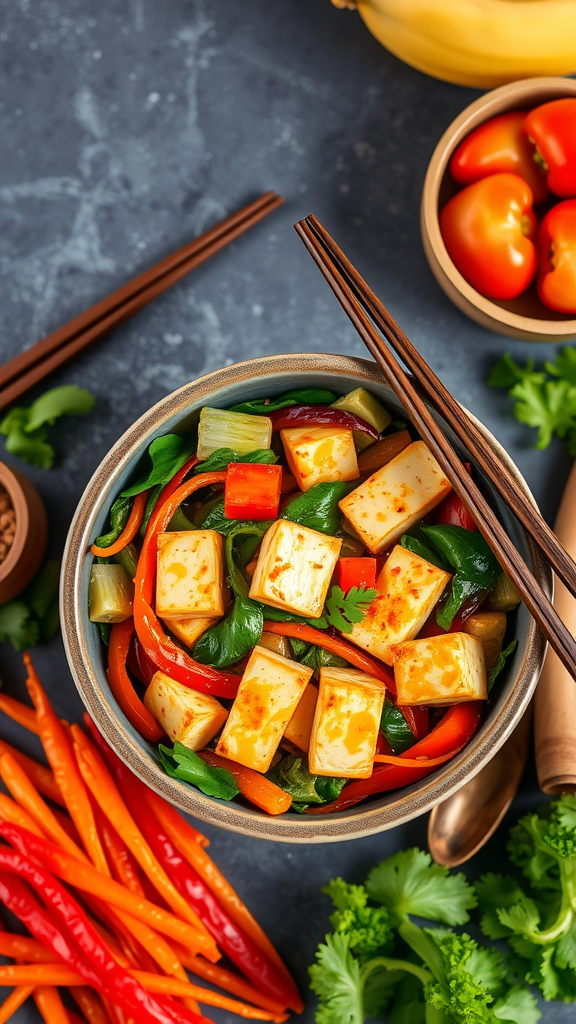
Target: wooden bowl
{"x": 525, "y": 317}
{"x": 271, "y": 375}
{"x": 31, "y": 536}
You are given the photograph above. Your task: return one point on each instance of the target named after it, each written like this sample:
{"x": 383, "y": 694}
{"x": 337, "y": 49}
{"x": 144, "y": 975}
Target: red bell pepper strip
{"x": 337, "y": 646}
{"x": 417, "y": 719}
{"x": 557, "y": 247}
{"x": 76, "y": 942}
{"x": 170, "y": 658}
{"x": 453, "y": 512}
{"x": 355, "y": 572}
{"x": 500, "y": 144}
{"x": 122, "y": 686}
{"x": 454, "y": 730}
{"x": 252, "y": 491}
{"x": 551, "y": 128}
{"x": 320, "y": 416}
{"x": 138, "y": 662}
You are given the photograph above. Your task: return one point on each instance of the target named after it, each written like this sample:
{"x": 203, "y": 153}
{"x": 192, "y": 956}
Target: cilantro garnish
{"x": 544, "y": 399}
{"x": 26, "y": 429}
{"x": 33, "y": 616}
{"x": 343, "y": 610}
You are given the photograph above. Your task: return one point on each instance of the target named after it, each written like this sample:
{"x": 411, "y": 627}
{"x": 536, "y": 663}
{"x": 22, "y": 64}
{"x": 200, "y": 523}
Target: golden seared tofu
{"x": 189, "y": 630}
{"x": 294, "y": 568}
{"x": 318, "y": 455}
{"x": 299, "y": 727}
{"x": 190, "y": 580}
{"x": 396, "y": 497}
{"x": 346, "y": 723}
{"x": 408, "y": 588}
{"x": 440, "y": 670}
{"x": 187, "y": 716}
{"x": 266, "y": 700}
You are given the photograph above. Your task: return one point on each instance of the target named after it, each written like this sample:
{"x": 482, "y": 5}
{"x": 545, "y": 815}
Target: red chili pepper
{"x": 252, "y": 491}
{"x": 355, "y": 572}
{"x": 453, "y": 512}
{"x": 552, "y": 126}
{"x": 454, "y": 730}
{"x": 122, "y": 686}
{"x": 496, "y": 146}
{"x": 557, "y": 246}
{"x": 319, "y": 416}
{"x": 160, "y": 648}
{"x": 76, "y": 941}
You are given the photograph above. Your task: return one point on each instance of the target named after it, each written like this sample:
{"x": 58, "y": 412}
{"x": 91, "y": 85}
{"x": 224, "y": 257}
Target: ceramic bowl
{"x": 179, "y": 412}
{"x": 30, "y": 538}
{"x": 524, "y": 317}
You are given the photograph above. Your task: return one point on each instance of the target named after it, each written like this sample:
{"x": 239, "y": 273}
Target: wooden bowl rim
{"x": 9, "y": 480}
{"x": 497, "y": 101}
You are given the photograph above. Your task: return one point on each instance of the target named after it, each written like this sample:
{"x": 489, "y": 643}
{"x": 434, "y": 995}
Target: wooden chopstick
{"x": 489, "y": 462}
{"x": 35, "y": 363}
{"x": 488, "y": 524}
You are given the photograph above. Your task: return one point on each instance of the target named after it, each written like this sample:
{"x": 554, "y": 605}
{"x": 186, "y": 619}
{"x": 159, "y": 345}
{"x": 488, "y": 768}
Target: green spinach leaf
{"x": 222, "y": 457}
{"x": 232, "y": 638}
{"x": 167, "y": 455}
{"x": 298, "y": 396}
{"x": 396, "y": 728}
{"x": 118, "y": 518}
{"x": 26, "y": 431}
{"x": 500, "y": 663}
{"x": 318, "y": 508}
{"x": 476, "y": 568}
{"x": 293, "y": 776}
{"x": 318, "y": 657}
{"x": 179, "y": 762}
{"x": 418, "y": 547}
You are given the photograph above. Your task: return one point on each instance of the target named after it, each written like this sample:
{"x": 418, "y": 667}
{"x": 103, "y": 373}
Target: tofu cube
{"x": 299, "y": 728}
{"x": 266, "y": 700}
{"x": 294, "y": 568}
{"x": 396, "y": 497}
{"x": 346, "y": 724}
{"x": 440, "y": 670}
{"x": 318, "y": 455}
{"x": 190, "y": 575}
{"x": 408, "y": 588}
{"x": 187, "y": 716}
{"x": 189, "y": 630}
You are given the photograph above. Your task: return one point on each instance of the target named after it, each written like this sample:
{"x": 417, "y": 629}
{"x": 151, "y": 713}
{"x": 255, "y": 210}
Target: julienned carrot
{"x": 105, "y": 792}
{"x": 11, "y": 811}
{"x": 19, "y": 785}
{"x": 230, "y": 982}
{"x": 23, "y": 947}
{"x": 14, "y": 1002}
{"x": 60, "y": 755}
{"x": 255, "y": 787}
{"x": 180, "y": 834}
{"x": 341, "y": 648}
{"x": 415, "y": 762}
{"x": 130, "y": 530}
{"x": 38, "y": 974}
{"x": 90, "y": 1004}
{"x": 19, "y": 712}
{"x": 50, "y": 1005}
{"x": 40, "y": 776}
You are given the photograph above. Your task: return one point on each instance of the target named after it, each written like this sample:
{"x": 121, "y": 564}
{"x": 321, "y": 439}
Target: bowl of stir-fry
{"x": 280, "y": 614}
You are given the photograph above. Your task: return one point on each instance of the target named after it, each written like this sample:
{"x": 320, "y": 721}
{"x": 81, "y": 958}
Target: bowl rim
{"x": 10, "y": 482}
{"x": 489, "y": 105}
{"x": 359, "y": 821}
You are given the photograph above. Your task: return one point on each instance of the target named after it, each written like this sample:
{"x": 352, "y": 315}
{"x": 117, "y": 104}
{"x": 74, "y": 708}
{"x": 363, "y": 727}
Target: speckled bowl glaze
{"x": 179, "y": 412}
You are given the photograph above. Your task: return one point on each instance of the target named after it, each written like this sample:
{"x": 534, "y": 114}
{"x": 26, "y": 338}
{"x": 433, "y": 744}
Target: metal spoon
{"x": 459, "y": 826}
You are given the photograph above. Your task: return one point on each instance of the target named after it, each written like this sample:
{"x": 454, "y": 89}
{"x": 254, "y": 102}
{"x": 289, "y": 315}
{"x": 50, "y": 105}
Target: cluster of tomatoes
{"x": 510, "y": 164}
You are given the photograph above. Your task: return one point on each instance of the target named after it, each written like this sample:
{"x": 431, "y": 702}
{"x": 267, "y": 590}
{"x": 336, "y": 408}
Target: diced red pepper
{"x": 453, "y": 512}
{"x": 355, "y": 572}
{"x": 252, "y": 491}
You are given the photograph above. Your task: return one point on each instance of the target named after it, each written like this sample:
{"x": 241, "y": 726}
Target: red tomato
{"x": 557, "y": 270}
{"x": 489, "y": 229}
{"x": 552, "y": 127}
{"x": 499, "y": 145}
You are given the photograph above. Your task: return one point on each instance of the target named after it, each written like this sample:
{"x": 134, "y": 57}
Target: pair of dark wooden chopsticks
{"x": 373, "y": 321}
{"x": 31, "y": 366}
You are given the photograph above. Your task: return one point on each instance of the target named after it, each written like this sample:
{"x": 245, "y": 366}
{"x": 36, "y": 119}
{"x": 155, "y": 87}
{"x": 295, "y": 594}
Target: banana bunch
{"x": 481, "y": 43}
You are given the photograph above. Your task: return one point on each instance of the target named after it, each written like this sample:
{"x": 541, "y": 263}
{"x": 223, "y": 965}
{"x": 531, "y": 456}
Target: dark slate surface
{"x": 129, "y": 126}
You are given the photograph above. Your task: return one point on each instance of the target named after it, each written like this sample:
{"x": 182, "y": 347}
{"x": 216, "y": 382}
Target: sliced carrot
{"x": 230, "y": 981}
{"x": 341, "y": 648}
{"x": 90, "y": 1004}
{"x": 50, "y": 1005}
{"x": 255, "y": 787}
{"x": 130, "y": 530}
{"x": 14, "y": 1002}
{"x": 156, "y": 983}
{"x": 40, "y": 776}
{"x": 23, "y": 947}
{"x": 415, "y": 762}
{"x": 38, "y": 974}
{"x": 19, "y": 712}
{"x": 16, "y": 815}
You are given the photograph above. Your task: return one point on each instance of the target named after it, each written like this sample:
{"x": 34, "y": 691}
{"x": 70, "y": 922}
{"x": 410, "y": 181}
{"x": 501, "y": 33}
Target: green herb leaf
{"x": 500, "y": 663}
{"x": 234, "y": 637}
{"x": 318, "y": 507}
{"x": 317, "y": 657}
{"x": 118, "y": 518}
{"x": 179, "y": 762}
{"x": 167, "y": 455}
{"x": 25, "y": 428}
{"x": 18, "y": 626}
{"x": 418, "y": 547}
{"x": 346, "y": 609}
{"x": 336, "y": 980}
{"x": 550, "y": 407}
{"x": 31, "y": 448}
{"x": 518, "y": 1006}
{"x": 298, "y": 396}
{"x": 396, "y": 728}
{"x": 222, "y": 457}
{"x": 68, "y": 400}
{"x": 369, "y": 928}
{"x": 409, "y": 883}
{"x": 506, "y": 373}
{"x": 476, "y": 566}
{"x": 564, "y": 365}
{"x": 292, "y": 775}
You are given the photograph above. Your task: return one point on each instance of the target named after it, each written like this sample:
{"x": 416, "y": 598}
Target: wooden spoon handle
{"x": 555, "y": 699}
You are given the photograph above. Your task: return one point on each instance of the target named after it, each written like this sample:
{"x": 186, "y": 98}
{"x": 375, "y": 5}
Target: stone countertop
{"x": 130, "y": 126}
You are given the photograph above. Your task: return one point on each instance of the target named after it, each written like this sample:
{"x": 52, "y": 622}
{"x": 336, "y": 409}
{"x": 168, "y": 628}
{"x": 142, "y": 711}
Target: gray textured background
{"x": 128, "y": 126}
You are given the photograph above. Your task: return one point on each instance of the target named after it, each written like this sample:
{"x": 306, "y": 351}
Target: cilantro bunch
{"x": 26, "y": 428}
{"x": 379, "y": 961}
{"x": 544, "y": 399}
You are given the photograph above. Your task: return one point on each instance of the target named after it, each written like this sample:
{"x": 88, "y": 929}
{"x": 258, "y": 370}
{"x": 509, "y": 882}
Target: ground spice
{"x": 7, "y": 524}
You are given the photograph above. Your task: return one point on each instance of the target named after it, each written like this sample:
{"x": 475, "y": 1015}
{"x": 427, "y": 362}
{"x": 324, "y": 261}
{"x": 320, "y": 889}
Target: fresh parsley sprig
{"x": 545, "y": 398}
{"x": 343, "y": 610}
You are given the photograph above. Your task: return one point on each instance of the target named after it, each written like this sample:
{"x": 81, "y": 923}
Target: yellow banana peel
{"x": 481, "y": 43}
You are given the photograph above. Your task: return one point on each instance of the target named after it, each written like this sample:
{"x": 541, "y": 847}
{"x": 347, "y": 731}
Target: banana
{"x": 480, "y": 43}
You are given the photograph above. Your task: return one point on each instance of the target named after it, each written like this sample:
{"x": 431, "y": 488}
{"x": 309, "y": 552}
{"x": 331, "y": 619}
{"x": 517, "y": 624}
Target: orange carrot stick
{"x": 105, "y": 792}
{"x": 130, "y": 530}
{"x": 38, "y": 974}
{"x": 12, "y": 812}
{"x": 40, "y": 776}
{"x": 229, "y": 981}
{"x": 19, "y": 785}
{"x": 23, "y": 947}
{"x": 19, "y": 712}
{"x": 50, "y": 1005}
{"x": 90, "y": 1004}
{"x": 415, "y": 762}
{"x": 14, "y": 1002}
{"x": 252, "y": 785}
{"x": 60, "y": 755}
{"x": 342, "y": 648}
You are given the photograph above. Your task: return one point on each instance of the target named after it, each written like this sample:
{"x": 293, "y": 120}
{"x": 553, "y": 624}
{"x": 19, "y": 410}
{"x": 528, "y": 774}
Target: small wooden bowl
{"x": 31, "y": 536}
{"x": 525, "y": 317}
